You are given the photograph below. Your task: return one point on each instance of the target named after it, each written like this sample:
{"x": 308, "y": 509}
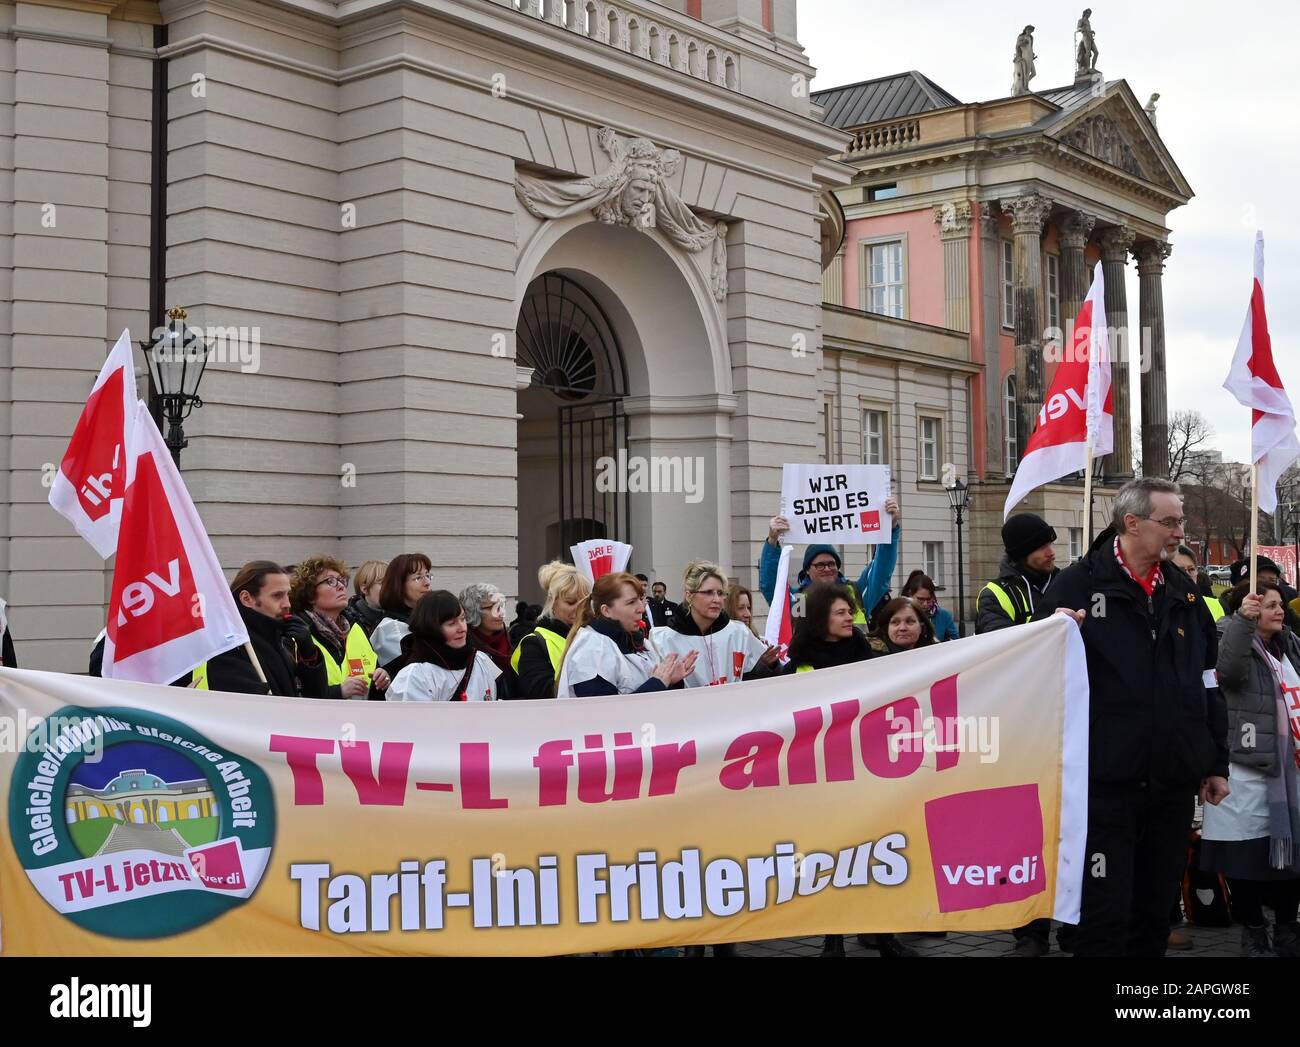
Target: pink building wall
{"x": 924, "y": 261}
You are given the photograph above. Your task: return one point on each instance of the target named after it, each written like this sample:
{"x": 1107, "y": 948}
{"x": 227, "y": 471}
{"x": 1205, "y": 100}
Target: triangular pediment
{"x": 1114, "y": 129}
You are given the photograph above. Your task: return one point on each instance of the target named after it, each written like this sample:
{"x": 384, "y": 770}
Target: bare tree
{"x": 1190, "y": 433}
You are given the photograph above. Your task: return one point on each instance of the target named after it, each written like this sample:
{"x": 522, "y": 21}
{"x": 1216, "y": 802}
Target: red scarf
{"x": 496, "y": 645}
{"x": 1149, "y": 583}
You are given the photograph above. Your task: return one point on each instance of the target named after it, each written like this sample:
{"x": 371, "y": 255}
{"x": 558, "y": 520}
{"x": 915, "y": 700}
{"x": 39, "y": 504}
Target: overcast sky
{"x": 1229, "y": 113}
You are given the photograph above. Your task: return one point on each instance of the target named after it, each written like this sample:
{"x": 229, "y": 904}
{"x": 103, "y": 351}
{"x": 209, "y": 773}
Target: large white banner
{"x": 938, "y": 789}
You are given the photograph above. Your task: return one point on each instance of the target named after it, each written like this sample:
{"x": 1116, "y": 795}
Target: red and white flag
{"x": 170, "y": 609}
{"x": 1254, "y": 381}
{"x": 601, "y": 556}
{"x": 779, "y": 628}
{"x": 1079, "y": 411}
{"x": 88, "y": 487}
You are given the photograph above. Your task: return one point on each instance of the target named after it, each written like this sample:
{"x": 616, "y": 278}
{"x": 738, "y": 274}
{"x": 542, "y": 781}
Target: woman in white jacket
{"x": 727, "y": 650}
{"x": 607, "y": 652}
{"x": 441, "y": 666}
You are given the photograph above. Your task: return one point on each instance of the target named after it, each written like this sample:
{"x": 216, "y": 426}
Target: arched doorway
{"x": 572, "y": 418}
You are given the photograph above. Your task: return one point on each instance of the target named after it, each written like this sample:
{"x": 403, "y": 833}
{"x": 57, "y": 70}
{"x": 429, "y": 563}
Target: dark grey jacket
{"x": 1024, "y": 595}
{"x": 1251, "y": 690}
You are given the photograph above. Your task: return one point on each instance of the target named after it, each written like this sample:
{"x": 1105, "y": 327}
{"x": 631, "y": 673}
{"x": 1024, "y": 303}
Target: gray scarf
{"x": 1283, "y": 792}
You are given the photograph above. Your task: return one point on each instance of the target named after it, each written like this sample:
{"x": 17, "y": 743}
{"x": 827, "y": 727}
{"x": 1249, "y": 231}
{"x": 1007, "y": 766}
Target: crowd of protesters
{"x": 1192, "y": 697}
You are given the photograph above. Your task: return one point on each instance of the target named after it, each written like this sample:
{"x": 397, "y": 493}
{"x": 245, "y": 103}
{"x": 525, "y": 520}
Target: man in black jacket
{"x": 661, "y": 612}
{"x": 282, "y": 642}
{"x": 1157, "y": 733}
{"x": 1027, "y": 569}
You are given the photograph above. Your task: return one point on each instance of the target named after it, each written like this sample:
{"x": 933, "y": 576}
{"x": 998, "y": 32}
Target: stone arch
{"x": 673, "y": 340}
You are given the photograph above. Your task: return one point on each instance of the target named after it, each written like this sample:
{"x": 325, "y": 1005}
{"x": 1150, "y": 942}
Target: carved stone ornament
{"x": 1028, "y": 212}
{"x": 1099, "y": 136}
{"x": 632, "y": 192}
{"x": 1116, "y": 242}
{"x": 954, "y": 218}
{"x": 1075, "y": 228}
{"x": 1151, "y": 255}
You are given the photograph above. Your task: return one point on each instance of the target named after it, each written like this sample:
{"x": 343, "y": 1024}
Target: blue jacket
{"x": 871, "y": 585}
{"x": 945, "y": 626}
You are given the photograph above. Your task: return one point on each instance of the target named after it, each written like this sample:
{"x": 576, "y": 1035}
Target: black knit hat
{"x": 1024, "y": 533}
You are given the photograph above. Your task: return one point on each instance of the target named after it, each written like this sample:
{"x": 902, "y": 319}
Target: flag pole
{"x": 252, "y": 657}
{"x": 1254, "y": 524}
{"x": 1087, "y": 500}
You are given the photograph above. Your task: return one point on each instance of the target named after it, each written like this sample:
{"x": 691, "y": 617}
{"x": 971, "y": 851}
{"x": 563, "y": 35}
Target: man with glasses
{"x": 822, "y": 564}
{"x": 1157, "y": 722}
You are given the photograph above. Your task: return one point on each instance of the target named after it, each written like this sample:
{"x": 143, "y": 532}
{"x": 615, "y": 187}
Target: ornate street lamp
{"x": 176, "y": 363}
{"x": 959, "y": 502}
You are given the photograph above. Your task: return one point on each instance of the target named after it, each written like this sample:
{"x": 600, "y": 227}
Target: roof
{"x": 1071, "y": 98}
{"x": 885, "y": 98}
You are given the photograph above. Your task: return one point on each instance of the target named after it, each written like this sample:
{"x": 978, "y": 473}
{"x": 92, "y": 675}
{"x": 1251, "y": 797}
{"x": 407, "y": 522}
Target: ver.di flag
{"x": 1254, "y": 381}
{"x": 170, "y": 609}
{"x": 88, "y": 486}
{"x": 1079, "y": 413}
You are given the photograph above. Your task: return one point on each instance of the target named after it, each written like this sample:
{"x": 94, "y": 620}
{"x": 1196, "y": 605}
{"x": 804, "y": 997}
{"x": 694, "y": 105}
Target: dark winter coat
{"x": 1026, "y": 588}
{"x": 1250, "y": 691}
{"x": 232, "y": 671}
{"x": 1151, "y": 717}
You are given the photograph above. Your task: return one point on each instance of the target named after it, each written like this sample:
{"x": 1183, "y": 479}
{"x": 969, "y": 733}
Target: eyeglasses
{"x": 1169, "y": 523}
{"x": 824, "y": 565}
{"x": 334, "y": 582}
{"x": 495, "y": 605}
{"x": 712, "y": 594}
{"x": 421, "y": 577}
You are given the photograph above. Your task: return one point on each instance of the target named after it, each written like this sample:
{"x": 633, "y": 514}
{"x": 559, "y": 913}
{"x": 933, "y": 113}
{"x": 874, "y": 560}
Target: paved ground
{"x": 1207, "y": 941}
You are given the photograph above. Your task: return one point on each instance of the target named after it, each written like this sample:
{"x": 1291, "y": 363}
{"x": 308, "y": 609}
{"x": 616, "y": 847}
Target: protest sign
{"x": 836, "y": 504}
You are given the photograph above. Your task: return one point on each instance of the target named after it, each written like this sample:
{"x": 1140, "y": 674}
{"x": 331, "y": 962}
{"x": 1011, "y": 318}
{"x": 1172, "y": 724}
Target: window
{"x": 932, "y": 558}
{"x": 1054, "y": 291}
{"x": 1076, "y": 543}
{"x": 1008, "y": 279}
{"x": 828, "y": 431}
{"x": 929, "y": 450}
{"x": 1010, "y": 422}
{"x": 882, "y": 192}
{"x": 885, "y": 279}
{"x": 875, "y": 450}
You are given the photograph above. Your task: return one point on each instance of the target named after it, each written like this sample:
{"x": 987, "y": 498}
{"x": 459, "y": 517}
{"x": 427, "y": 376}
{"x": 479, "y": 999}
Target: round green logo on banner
{"x": 133, "y": 825}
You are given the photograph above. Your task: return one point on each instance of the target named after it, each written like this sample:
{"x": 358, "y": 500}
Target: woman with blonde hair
{"x": 364, "y": 608}
{"x": 726, "y": 651}
{"x": 607, "y": 652}
{"x": 540, "y": 653}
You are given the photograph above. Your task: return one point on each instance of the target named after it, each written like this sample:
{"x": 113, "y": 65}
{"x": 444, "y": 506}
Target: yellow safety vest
{"x": 1011, "y": 603}
{"x": 200, "y": 677}
{"x": 803, "y": 669}
{"x": 358, "y": 656}
{"x": 555, "y": 645}
{"x": 1216, "y": 608}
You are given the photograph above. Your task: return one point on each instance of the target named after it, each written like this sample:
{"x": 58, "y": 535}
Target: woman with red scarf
{"x": 485, "y": 614}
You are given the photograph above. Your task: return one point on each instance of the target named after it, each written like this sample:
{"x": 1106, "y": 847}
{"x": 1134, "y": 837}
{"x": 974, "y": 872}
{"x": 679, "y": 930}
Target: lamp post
{"x": 176, "y": 363}
{"x": 959, "y": 502}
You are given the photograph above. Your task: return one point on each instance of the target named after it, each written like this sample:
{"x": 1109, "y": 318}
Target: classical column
{"x": 991, "y": 281}
{"x": 1116, "y": 242}
{"x": 1074, "y": 228}
{"x": 1028, "y": 215}
{"x": 1151, "y": 255}
{"x": 954, "y": 221}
